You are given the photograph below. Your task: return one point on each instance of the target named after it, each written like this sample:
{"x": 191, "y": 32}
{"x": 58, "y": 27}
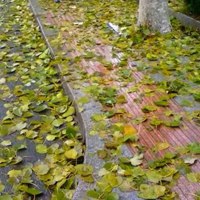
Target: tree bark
{"x": 154, "y": 14}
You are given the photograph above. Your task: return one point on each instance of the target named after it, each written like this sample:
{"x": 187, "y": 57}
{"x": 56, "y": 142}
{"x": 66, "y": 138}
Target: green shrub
{"x": 194, "y": 6}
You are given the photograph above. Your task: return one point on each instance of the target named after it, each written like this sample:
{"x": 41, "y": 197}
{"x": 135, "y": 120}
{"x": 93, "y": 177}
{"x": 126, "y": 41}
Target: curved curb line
{"x": 93, "y": 142}
{"x": 186, "y": 20}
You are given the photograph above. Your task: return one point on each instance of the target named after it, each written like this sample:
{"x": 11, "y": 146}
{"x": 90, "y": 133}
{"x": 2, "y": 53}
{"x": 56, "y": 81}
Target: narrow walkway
{"x": 85, "y": 42}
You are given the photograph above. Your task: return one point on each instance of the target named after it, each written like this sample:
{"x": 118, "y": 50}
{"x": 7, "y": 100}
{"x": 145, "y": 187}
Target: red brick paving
{"x": 187, "y": 133}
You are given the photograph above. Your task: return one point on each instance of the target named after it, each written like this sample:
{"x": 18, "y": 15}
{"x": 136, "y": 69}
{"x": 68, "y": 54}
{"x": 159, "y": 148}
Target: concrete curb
{"x": 186, "y": 20}
{"x": 93, "y": 142}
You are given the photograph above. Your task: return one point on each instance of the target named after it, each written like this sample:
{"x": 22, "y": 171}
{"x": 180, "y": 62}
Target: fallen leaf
{"x": 151, "y": 191}
{"x": 129, "y": 130}
{"x": 6, "y": 143}
{"x": 161, "y": 146}
{"x": 190, "y": 160}
{"x": 193, "y": 177}
{"x": 41, "y": 148}
{"x": 147, "y": 109}
{"x": 137, "y": 159}
{"x": 71, "y": 154}
{"x": 41, "y": 168}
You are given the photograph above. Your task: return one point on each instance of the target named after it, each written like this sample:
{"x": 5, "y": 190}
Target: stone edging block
{"x": 186, "y": 20}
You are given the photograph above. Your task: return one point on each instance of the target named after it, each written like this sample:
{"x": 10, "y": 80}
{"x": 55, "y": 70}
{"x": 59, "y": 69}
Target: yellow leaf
{"x": 129, "y": 130}
{"x": 161, "y": 146}
{"x": 71, "y": 154}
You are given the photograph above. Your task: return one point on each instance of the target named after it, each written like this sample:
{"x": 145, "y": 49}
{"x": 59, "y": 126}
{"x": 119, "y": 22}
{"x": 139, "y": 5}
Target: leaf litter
{"x": 40, "y": 140}
{"x": 163, "y": 65}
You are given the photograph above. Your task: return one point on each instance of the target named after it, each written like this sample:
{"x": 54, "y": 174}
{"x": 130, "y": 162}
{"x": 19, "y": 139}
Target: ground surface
{"x": 144, "y": 80}
{"x": 148, "y": 85}
{"x": 38, "y": 132}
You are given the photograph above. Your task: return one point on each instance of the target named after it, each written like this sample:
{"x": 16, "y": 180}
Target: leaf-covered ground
{"x": 178, "y": 6}
{"x": 147, "y": 83}
{"x": 149, "y": 87}
{"x": 39, "y": 139}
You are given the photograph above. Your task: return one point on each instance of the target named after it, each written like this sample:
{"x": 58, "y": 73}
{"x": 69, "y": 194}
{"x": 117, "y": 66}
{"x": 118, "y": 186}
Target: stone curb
{"x": 186, "y": 20}
{"x": 92, "y": 142}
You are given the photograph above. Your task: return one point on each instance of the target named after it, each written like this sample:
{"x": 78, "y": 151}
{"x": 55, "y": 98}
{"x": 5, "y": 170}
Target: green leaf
{"x": 41, "y": 108}
{"x": 125, "y": 73}
{"x": 151, "y": 57}
{"x": 175, "y": 86}
{"x": 98, "y": 117}
{"x": 147, "y": 109}
{"x": 88, "y": 179}
{"x": 69, "y": 119}
{"x": 41, "y": 168}
{"x": 6, "y": 197}
{"x": 194, "y": 148}
{"x": 4, "y": 130}
{"x": 137, "y": 172}
{"x": 127, "y": 185}
{"x": 153, "y": 176}
{"x": 121, "y": 99}
{"x": 58, "y": 122}
{"x": 160, "y": 162}
{"x": 197, "y": 96}
{"x": 102, "y": 154}
{"x": 20, "y": 126}
{"x": 130, "y": 138}
{"x": 14, "y": 173}
{"x": 59, "y": 194}
{"x": 161, "y": 102}
{"x": 84, "y": 169}
{"x": 69, "y": 112}
{"x": 41, "y": 148}
{"x": 29, "y": 190}
{"x": 175, "y": 122}
{"x": 132, "y": 89}
{"x": 112, "y": 196}
{"x": 7, "y": 155}
{"x": 93, "y": 194}
{"x": 70, "y": 131}
{"x": 111, "y": 179}
{"x": 168, "y": 173}
{"x": 139, "y": 120}
{"x": 17, "y": 111}
{"x": 31, "y": 134}
{"x": 44, "y": 54}
{"x": 50, "y": 137}
{"x": 89, "y": 55}
{"x": 194, "y": 177}
{"x": 186, "y": 103}
{"x": 155, "y": 121}
{"x": 151, "y": 191}
{"x": 2, "y": 187}
{"x": 161, "y": 146}
{"x": 83, "y": 100}
{"x": 20, "y": 146}
{"x": 71, "y": 154}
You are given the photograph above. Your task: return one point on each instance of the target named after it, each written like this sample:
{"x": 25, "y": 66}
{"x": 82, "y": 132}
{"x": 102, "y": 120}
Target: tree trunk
{"x": 154, "y": 14}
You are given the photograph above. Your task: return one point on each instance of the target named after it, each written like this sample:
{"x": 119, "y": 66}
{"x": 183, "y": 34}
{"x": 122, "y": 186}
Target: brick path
{"x": 187, "y": 133}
